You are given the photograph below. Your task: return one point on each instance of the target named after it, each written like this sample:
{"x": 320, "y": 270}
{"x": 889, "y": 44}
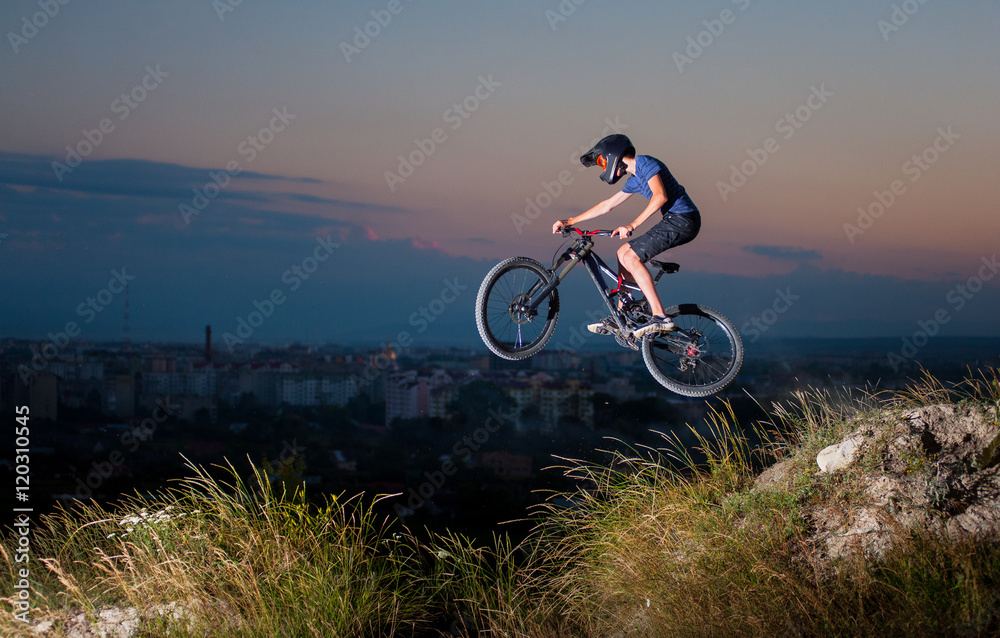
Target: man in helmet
{"x": 679, "y": 223}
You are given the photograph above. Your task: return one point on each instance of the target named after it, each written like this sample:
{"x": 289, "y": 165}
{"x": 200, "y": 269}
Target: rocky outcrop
{"x": 931, "y": 469}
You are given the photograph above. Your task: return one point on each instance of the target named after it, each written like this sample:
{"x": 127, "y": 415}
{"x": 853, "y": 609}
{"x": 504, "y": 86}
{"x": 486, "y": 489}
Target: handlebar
{"x": 569, "y": 230}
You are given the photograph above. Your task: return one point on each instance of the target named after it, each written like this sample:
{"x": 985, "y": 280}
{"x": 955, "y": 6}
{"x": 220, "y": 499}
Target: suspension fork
{"x": 560, "y": 269}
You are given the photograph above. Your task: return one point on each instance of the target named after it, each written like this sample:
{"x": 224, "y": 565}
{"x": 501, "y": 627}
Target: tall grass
{"x": 682, "y": 548}
{"x": 669, "y": 542}
{"x": 241, "y": 560}
{"x": 238, "y": 559}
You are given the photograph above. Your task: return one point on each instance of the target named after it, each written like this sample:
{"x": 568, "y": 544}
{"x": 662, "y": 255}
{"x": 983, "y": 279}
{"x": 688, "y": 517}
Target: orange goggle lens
{"x": 602, "y": 162}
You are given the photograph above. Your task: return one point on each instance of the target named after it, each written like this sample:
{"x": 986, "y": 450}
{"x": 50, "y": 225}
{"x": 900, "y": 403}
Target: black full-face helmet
{"x": 608, "y": 155}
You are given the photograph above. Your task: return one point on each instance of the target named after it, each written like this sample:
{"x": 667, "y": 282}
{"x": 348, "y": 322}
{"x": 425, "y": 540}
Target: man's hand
{"x": 622, "y": 231}
{"x": 558, "y": 225}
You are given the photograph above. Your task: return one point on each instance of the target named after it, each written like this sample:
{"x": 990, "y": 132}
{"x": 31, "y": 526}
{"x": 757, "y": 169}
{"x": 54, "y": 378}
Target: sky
{"x": 843, "y": 155}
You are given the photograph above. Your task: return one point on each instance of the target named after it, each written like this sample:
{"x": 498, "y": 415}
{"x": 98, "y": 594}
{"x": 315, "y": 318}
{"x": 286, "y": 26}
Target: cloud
{"x": 345, "y": 203}
{"x": 150, "y": 185}
{"x": 424, "y": 244}
{"x": 784, "y": 253}
{"x": 128, "y": 177}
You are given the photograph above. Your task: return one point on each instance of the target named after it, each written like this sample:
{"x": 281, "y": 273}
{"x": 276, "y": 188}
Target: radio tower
{"x": 126, "y": 337}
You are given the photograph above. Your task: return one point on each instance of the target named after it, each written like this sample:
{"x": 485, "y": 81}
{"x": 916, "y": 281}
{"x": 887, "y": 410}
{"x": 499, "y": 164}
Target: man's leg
{"x": 673, "y": 230}
{"x": 631, "y": 262}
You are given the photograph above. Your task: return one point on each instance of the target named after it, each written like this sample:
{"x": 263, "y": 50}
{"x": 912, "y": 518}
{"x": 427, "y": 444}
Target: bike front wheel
{"x": 700, "y": 358}
{"x": 508, "y": 329}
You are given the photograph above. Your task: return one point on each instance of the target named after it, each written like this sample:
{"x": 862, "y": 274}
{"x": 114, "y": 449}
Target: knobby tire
{"x": 708, "y": 366}
{"x": 508, "y": 334}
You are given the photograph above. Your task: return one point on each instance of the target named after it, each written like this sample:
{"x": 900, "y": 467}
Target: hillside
{"x": 873, "y": 515}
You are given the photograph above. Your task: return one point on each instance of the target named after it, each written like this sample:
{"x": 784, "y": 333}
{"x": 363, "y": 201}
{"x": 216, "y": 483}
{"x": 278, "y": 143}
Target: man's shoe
{"x": 657, "y": 324}
{"x": 602, "y": 327}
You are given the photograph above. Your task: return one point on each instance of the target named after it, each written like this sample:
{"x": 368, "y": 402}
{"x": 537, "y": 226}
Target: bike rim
{"x": 699, "y": 354}
{"x": 507, "y": 323}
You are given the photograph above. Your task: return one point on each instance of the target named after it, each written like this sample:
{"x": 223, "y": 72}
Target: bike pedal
{"x": 599, "y": 329}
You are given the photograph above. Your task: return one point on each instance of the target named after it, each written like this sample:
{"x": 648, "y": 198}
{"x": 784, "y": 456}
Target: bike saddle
{"x": 666, "y": 266}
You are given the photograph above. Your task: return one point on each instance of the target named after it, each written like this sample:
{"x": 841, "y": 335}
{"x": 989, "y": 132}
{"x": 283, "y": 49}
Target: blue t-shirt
{"x": 678, "y": 201}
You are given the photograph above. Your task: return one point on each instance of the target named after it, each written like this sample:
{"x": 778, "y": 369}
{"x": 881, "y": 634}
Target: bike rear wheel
{"x": 506, "y": 327}
{"x": 701, "y": 357}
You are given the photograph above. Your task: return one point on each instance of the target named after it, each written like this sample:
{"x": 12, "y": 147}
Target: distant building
{"x": 408, "y": 395}
{"x": 505, "y": 464}
{"x": 44, "y": 397}
{"x": 414, "y": 394}
{"x": 620, "y": 388}
{"x": 121, "y": 396}
{"x": 342, "y": 463}
{"x": 339, "y": 391}
{"x": 555, "y": 399}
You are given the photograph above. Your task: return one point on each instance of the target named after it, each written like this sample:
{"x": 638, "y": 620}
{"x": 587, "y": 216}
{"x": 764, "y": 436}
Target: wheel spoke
{"x": 506, "y": 328}
{"x": 700, "y": 358}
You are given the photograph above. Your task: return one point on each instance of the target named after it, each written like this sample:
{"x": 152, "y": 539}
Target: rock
{"x": 924, "y": 478}
{"x": 839, "y": 455}
{"x": 774, "y": 477}
{"x": 117, "y": 622}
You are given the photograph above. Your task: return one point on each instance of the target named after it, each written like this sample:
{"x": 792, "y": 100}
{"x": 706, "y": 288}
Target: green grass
{"x": 656, "y": 544}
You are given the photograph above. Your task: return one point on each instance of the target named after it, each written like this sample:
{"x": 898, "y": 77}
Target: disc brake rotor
{"x": 519, "y": 313}
{"x": 691, "y": 353}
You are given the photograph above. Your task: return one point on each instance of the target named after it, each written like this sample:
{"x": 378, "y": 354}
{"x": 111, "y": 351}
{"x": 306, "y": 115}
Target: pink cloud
{"x": 422, "y": 244}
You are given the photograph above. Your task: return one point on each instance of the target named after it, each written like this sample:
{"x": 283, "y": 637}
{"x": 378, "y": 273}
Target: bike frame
{"x": 582, "y": 251}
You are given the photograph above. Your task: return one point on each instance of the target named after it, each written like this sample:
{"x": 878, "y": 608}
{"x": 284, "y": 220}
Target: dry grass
{"x": 656, "y": 544}
{"x": 243, "y": 560}
{"x": 683, "y": 549}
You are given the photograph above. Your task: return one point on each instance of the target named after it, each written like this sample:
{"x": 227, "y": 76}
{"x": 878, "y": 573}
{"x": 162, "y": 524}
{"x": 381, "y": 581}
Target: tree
{"x": 475, "y": 401}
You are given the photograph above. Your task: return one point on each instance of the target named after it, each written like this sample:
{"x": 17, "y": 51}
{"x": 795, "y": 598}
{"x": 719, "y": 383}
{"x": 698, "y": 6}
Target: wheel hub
{"x": 519, "y": 312}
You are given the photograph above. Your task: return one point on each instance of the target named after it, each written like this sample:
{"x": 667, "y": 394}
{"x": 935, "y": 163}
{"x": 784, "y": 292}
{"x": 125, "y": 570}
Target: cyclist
{"x": 679, "y": 224}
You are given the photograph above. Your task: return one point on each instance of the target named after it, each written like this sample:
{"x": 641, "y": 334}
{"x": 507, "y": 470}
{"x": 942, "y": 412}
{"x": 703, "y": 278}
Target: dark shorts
{"x": 673, "y": 230}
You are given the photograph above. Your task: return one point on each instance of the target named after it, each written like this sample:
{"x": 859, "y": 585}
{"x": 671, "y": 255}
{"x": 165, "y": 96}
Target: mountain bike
{"x": 518, "y": 306}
